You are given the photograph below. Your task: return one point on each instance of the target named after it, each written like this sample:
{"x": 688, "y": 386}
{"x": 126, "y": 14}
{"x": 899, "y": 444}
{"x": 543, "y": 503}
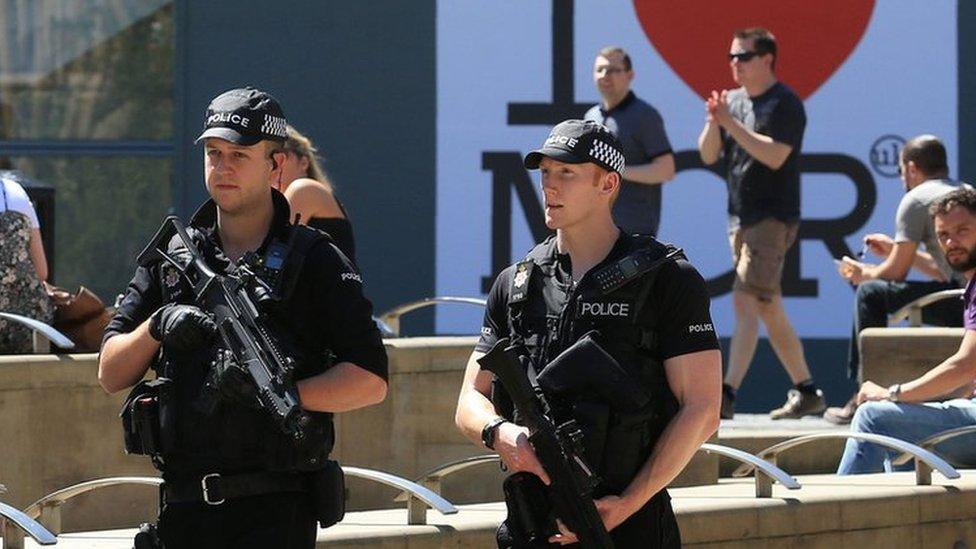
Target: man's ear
{"x": 911, "y": 167}
{"x": 277, "y": 159}
{"x": 610, "y": 183}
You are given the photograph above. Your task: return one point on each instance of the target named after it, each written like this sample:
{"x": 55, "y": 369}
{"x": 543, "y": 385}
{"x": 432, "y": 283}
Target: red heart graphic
{"x": 813, "y": 37}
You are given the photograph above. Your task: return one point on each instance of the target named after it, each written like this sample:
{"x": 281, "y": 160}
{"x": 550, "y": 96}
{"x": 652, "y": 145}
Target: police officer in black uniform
{"x": 232, "y": 478}
{"x": 650, "y": 310}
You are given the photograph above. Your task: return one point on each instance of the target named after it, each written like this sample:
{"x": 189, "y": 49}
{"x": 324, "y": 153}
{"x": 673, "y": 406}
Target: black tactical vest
{"x": 201, "y": 433}
{"x": 611, "y": 299}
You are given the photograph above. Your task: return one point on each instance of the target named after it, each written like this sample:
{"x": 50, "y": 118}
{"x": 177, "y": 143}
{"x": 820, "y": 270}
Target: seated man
{"x": 911, "y": 411}
{"x": 882, "y": 289}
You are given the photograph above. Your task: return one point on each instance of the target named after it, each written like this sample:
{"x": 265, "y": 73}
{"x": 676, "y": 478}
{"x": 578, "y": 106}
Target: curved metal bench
{"x": 925, "y": 461}
{"x": 13, "y": 525}
{"x": 764, "y": 481}
{"x": 391, "y": 319}
{"x": 930, "y": 442}
{"x": 43, "y": 334}
{"x": 913, "y": 311}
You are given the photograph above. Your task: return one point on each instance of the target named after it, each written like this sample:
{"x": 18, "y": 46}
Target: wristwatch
{"x": 489, "y": 431}
{"x": 894, "y": 392}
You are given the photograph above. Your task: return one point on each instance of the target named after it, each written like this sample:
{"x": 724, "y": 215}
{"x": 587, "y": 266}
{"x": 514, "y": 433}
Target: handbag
{"x": 81, "y": 316}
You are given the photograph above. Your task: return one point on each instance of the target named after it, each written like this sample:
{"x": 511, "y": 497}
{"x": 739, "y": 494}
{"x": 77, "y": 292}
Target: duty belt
{"x": 214, "y": 488}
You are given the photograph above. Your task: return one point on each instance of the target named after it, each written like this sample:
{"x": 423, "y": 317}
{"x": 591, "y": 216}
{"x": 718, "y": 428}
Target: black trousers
{"x": 653, "y": 526}
{"x": 285, "y": 521}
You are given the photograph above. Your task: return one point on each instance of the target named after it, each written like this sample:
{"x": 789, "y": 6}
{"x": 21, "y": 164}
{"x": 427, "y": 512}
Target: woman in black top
{"x": 310, "y": 194}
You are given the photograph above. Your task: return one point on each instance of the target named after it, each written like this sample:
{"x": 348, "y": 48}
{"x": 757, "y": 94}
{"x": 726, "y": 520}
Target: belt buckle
{"x": 206, "y": 492}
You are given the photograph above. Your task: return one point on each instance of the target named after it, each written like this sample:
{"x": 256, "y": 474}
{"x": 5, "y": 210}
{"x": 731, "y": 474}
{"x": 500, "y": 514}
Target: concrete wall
{"x": 883, "y": 510}
{"x": 896, "y": 355}
{"x": 413, "y": 430}
{"x": 60, "y": 428}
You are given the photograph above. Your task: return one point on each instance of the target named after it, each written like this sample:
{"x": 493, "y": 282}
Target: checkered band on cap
{"x": 607, "y": 155}
{"x": 274, "y": 125}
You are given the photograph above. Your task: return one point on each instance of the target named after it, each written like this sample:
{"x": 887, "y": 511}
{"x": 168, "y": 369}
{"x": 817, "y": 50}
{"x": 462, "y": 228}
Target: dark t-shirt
{"x": 677, "y": 307}
{"x": 326, "y": 312}
{"x": 757, "y": 192}
{"x": 969, "y": 302}
{"x": 325, "y": 320}
{"x": 640, "y": 129}
{"x": 340, "y": 229}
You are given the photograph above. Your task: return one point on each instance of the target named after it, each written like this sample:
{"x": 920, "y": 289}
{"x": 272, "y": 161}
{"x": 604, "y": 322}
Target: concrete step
{"x": 755, "y": 432}
{"x": 884, "y": 510}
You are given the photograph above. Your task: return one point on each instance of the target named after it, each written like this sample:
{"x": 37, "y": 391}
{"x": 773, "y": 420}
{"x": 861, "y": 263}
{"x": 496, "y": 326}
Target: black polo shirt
{"x": 327, "y": 310}
{"x": 640, "y": 129}
{"x": 677, "y": 307}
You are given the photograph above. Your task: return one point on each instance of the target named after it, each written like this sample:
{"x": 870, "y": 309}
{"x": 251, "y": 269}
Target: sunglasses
{"x": 743, "y": 56}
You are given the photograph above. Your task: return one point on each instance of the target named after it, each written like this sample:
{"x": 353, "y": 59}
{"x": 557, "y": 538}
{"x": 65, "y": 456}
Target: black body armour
{"x": 547, "y": 316}
{"x": 199, "y": 431}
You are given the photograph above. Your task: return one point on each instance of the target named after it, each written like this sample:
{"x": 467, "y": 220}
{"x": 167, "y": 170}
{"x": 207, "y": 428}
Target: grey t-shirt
{"x": 914, "y": 224}
{"x": 640, "y": 129}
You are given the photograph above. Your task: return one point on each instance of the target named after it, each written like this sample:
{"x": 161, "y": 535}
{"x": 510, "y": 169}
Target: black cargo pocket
{"x": 141, "y": 420}
{"x": 627, "y": 448}
{"x": 593, "y": 419}
{"x": 329, "y": 494}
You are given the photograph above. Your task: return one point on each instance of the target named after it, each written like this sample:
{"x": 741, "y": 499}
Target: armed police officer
{"x": 648, "y": 309}
{"x": 233, "y": 477}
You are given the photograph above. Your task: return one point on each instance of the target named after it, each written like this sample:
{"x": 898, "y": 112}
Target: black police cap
{"x": 578, "y": 142}
{"x": 245, "y": 116}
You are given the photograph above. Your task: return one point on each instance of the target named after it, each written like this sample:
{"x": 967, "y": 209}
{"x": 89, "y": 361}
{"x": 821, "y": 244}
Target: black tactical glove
{"x": 181, "y": 327}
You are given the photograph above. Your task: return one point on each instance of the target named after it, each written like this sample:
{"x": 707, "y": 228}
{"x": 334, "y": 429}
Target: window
{"x": 86, "y": 106}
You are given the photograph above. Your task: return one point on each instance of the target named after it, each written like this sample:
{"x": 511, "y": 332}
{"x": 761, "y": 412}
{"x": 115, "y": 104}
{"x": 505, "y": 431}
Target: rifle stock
{"x": 558, "y": 447}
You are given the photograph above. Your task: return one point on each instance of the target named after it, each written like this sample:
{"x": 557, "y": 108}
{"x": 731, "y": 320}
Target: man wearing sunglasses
{"x": 640, "y": 129}
{"x": 758, "y": 130}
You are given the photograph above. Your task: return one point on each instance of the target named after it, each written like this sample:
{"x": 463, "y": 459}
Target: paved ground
{"x": 760, "y": 423}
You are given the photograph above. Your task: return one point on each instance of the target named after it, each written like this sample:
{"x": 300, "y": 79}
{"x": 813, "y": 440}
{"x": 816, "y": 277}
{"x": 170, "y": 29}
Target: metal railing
{"x": 930, "y": 442}
{"x": 48, "y": 509}
{"x": 925, "y": 461}
{"x": 14, "y": 524}
{"x": 43, "y": 335}
{"x": 432, "y": 481}
{"x": 389, "y": 322}
{"x": 768, "y": 472}
{"x": 913, "y": 311}
{"x": 428, "y": 498}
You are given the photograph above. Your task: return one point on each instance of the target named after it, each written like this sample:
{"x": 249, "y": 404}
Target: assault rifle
{"x": 234, "y": 301}
{"x": 559, "y": 448}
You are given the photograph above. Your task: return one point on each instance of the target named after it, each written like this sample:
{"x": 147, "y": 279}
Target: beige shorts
{"x": 758, "y": 254}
